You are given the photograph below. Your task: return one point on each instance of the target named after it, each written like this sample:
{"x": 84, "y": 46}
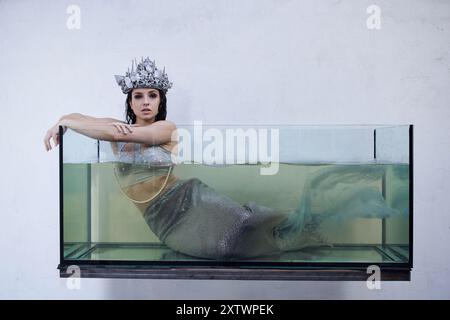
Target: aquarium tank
{"x": 357, "y": 178}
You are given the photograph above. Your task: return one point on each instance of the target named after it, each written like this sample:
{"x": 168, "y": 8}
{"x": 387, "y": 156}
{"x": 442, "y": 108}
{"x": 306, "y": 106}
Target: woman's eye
{"x": 153, "y": 95}
{"x": 137, "y": 97}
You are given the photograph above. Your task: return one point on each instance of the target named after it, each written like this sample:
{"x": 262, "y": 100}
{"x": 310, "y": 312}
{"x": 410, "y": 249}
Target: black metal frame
{"x": 61, "y": 197}
{"x": 411, "y": 194}
{"x": 245, "y": 270}
{"x": 232, "y": 273}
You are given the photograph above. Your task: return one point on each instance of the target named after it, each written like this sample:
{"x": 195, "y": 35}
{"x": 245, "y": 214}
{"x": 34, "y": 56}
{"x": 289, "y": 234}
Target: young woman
{"x": 188, "y": 215}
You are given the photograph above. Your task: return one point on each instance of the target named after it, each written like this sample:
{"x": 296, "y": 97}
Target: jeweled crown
{"x": 143, "y": 75}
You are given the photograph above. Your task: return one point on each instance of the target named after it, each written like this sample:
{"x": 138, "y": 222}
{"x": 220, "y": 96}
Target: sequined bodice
{"x": 138, "y": 166}
{"x": 153, "y": 155}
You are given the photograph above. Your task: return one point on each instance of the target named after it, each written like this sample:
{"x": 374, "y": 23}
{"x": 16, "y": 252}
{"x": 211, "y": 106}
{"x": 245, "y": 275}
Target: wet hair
{"x": 162, "y": 109}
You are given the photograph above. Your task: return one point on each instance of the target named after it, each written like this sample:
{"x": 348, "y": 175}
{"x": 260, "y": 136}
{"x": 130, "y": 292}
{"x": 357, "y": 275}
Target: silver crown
{"x": 146, "y": 75}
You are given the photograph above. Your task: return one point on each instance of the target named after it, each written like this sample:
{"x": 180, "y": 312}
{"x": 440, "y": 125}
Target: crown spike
{"x": 144, "y": 73}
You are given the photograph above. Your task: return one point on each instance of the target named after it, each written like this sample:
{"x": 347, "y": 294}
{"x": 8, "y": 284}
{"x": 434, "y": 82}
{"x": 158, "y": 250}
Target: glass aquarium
{"x": 352, "y": 184}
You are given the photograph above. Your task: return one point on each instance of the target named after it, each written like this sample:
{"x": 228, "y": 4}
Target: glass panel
{"x": 76, "y": 202}
{"x": 251, "y": 193}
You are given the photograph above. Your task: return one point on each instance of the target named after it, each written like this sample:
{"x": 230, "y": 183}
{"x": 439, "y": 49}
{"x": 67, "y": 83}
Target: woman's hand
{"x": 53, "y": 132}
{"x": 123, "y": 128}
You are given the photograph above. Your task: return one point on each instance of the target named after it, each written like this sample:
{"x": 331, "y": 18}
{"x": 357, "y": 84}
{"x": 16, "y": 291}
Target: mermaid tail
{"x": 194, "y": 219}
{"x": 336, "y": 192}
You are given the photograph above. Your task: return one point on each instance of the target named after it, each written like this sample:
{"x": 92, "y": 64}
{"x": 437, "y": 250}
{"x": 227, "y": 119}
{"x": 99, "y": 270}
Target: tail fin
{"x": 342, "y": 192}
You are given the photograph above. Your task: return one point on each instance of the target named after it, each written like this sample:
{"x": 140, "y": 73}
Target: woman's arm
{"x": 157, "y": 133}
{"x": 96, "y": 128}
{"x": 79, "y": 116}
{"x": 92, "y": 128}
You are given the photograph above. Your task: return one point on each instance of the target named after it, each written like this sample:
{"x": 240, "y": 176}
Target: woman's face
{"x": 145, "y": 103}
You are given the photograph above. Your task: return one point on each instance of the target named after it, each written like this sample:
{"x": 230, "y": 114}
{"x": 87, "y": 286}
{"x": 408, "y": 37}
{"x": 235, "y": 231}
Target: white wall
{"x": 254, "y": 61}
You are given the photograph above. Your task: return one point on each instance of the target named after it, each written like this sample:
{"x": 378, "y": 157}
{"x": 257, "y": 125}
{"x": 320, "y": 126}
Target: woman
{"x": 187, "y": 215}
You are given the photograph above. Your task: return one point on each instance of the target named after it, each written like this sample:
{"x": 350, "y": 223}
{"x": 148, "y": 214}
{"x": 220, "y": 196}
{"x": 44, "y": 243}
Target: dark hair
{"x": 162, "y": 109}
